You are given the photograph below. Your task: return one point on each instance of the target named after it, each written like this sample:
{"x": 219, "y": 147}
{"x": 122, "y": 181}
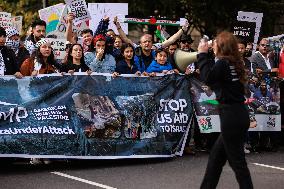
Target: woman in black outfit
{"x": 227, "y": 77}
{"x": 75, "y": 60}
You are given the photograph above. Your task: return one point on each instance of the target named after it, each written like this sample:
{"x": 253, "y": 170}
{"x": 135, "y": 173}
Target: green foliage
{"x": 208, "y": 16}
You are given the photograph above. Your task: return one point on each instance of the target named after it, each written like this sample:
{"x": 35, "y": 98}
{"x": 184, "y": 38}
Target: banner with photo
{"x": 94, "y": 117}
{"x": 262, "y": 100}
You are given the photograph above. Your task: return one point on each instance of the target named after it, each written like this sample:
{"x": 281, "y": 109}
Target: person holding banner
{"x": 100, "y": 61}
{"x": 8, "y": 64}
{"x": 13, "y": 41}
{"x": 227, "y": 78}
{"x": 38, "y": 32}
{"x": 126, "y": 64}
{"x": 75, "y": 61}
{"x": 42, "y": 60}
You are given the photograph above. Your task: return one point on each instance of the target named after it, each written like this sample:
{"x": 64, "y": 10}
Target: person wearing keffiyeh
{"x": 13, "y": 42}
{"x": 8, "y": 64}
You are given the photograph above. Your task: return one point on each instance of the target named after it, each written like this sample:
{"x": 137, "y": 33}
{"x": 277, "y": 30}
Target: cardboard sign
{"x": 5, "y": 20}
{"x": 99, "y": 10}
{"x": 17, "y": 23}
{"x": 62, "y": 25}
{"x": 80, "y": 10}
{"x": 58, "y": 46}
{"x": 51, "y": 16}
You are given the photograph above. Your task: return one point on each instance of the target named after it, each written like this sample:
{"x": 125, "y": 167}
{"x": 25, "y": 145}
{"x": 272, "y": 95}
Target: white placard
{"x": 252, "y": 17}
{"x": 58, "y": 46}
{"x": 51, "y": 16}
{"x": 5, "y": 20}
{"x": 80, "y": 10}
{"x": 62, "y": 25}
{"x": 100, "y": 10}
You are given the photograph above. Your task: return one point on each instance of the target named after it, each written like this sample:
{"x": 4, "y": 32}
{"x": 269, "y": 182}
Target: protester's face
{"x": 2, "y": 40}
{"x": 161, "y": 57}
{"x": 117, "y": 43}
{"x": 263, "y": 86}
{"x": 263, "y": 47}
{"x": 100, "y": 45}
{"x": 87, "y": 38}
{"x": 45, "y": 49}
{"x": 146, "y": 43}
{"x": 185, "y": 45}
{"x": 242, "y": 48}
{"x": 249, "y": 47}
{"x": 39, "y": 32}
{"x": 128, "y": 53}
{"x": 172, "y": 49}
{"x": 77, "y": 52}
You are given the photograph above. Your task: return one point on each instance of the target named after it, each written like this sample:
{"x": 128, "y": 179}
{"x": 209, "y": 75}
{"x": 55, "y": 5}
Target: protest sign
{"x": 244, "y": 30}
{"x": 80, "y": 10}
{"x": 51, "y": 16}
{"x": 264, "y": 112}
{"x": 62, "y": 25}
{"x": 252, "y": 17}
{"x": 100, "y": 10}
{"x": 5, "y": 20}
{"x": 17, "y": 22}
{"x": 93, "y": 117}
{"x": 58, "y": 46}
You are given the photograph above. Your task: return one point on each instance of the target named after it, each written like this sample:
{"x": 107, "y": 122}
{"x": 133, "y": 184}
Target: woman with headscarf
{"x": 13, "y": 42}
{"x": 42, "y": 60}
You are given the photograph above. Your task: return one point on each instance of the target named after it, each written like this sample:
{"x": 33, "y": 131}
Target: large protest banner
{"x": 94, "y": 116}
{"x": 263, "y": 102}
{"x": 100, "y": 10}
{"x": 51, "y": 16}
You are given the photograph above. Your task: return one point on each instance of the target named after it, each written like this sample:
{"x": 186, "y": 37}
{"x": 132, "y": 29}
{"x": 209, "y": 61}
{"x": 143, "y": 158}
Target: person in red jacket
{"x": 281, "y": 62}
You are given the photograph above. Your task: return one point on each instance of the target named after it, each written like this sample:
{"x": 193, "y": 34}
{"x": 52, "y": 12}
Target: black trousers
{"x": 229, "y": 146}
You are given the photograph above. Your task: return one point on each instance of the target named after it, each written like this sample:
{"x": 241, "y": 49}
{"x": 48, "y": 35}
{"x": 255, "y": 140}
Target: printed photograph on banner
{"x": 51, "y": 16}
{"x": 17, "y": 22}
{"x": 80, "y": 10}
{"x": 100, "y": 113}
{"x": 139, "y": 113}
{"x": 100, "y": 10}
{"x": 262, "y": 100}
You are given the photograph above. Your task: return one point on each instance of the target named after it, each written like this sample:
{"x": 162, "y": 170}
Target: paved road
{"x": 177, "y": 173}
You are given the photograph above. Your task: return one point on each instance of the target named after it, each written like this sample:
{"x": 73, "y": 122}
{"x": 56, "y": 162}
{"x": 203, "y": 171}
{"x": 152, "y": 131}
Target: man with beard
{"x": 38, "y": 32}
{"x": 8, "y": 65}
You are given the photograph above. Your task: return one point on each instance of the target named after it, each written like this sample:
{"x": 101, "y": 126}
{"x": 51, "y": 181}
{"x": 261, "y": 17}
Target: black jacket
{"x": 9, "y": 61}
{"x": 221, "y": 77}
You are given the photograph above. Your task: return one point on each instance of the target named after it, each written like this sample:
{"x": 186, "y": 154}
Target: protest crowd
{"x": 104, "y": 51}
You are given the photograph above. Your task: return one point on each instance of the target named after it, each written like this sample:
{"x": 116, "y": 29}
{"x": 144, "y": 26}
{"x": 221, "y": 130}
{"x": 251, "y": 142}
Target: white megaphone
{"x": 184, "y": 58}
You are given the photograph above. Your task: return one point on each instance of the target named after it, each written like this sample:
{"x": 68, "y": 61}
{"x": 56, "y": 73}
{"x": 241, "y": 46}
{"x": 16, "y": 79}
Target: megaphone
{"x": 183, "y": 59}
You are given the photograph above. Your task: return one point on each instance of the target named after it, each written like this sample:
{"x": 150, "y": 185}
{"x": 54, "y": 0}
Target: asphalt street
{"x": 267, "y": 170}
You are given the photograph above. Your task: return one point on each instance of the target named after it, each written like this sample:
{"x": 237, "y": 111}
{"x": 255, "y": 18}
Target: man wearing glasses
{"x": 261, "y": 62}
{"x": 185, "y": 43}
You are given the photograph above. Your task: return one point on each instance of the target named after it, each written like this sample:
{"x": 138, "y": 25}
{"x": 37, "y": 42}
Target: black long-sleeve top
{"x": 222, "y": 78}
{"x": 10, "y": 62}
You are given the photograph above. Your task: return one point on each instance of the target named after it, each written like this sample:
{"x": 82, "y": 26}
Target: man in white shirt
{"x": 260, "y": 60}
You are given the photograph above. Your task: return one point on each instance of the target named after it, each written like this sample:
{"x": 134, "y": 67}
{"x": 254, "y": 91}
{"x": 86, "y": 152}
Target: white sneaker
{"x": 246, "y": 151}
{"x": 36, "y": 161}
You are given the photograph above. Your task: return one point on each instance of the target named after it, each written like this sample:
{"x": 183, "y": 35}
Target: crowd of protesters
{"x": 104, "y": 51}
